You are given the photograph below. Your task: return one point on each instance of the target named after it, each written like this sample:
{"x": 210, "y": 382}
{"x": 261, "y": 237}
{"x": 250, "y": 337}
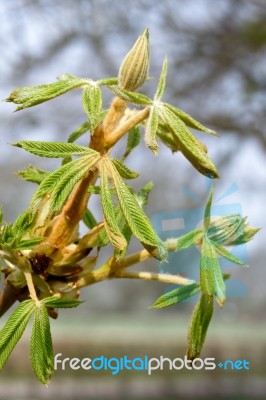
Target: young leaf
{"x": 33, "y": 95}
{"x": 226, "y": 254}
{"x": 41, "y": 347}
{"x": 143, "y": 194}
{"x": 162, "y": 80}
{"x": 132, "y": 97}
{"x": 115, "y": 235}
{"x": 123, "y": 170}
{"x": 211, "y": 277}
{"x": 28, "y": 244}
{"x": 60, "y": 302}
{"x": 133, "y": 213}
{"x": 54, "y": 149}
{"x": 89, "y": 219}
{"x": 92, "y": 104}
{"x": 151, "y": 129}
{"x": 199, "y": 325}
{"x": 133, "y": 140}
{"x": 189, "y": 239}
{"x": 107, "y": 81}
{"x": 77, "y": 133}
{"x": 176, "y": 296}
{"x": 14, "y": 328}
{"x": 60, "y": 183}
{"x": 22, "y": 224}
{"x": 207, "y": 214}
{"x": 33, "y": 174}
{"x": 188, "y": 144}
{"x": 189, "y": 121}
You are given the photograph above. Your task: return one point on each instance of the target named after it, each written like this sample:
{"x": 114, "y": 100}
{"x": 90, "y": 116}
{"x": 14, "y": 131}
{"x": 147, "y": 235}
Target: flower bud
{"x": 134, "y": 69}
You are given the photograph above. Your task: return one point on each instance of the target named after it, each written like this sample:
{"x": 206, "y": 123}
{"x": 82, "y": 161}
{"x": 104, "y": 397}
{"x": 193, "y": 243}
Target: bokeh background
{"x": 217, "y": 57}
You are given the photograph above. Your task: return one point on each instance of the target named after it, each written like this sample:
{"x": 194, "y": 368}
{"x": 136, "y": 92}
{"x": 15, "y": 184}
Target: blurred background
{"x": 217, "y": 56}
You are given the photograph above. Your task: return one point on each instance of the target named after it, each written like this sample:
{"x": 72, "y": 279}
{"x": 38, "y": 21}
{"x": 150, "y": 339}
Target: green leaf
{"x": 189, "y": 121}
{"x": 132, "y": 97}
{"x": 226, "y": 254}
{"x": 201, "y": 318}
{"x": 113, "y": 231}
{"x": 60, "y": 302}
{"x": 54, "y": 149}
{"x": 32, "y": 95}
{"x": 22, "y": 224}
{"x": 14, "y": 328}
{"x": 189, "y": 239}
{"x": 92, "y": 104}
{"x": 41, "y": 347}
{"x": 89, "y": 219}
{"x": 207, "y": 214}
{"x": 123, "y": 170}
{"x": 211, "y": 277}
{"x": 133, "y": 141}
{"x": 60, "y": 183}
{"x": 176, "y": 296}
{"x": 77, "y": 133}
{"x": 28, "y": 244}
{"x": 143, "y": 194}
{"x": 133, "y": 213}
{"x": 33, "y": 174}
{"x": 189, "y": 145}
{"x": 162, "y": 80}
{"x": 151, "y": 129}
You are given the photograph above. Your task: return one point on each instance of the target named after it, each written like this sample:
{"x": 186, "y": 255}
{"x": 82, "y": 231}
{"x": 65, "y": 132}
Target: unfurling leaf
{"x": 207, "y": 214}
{"x": 54, "y": 149}
{"x": 226, "y": 254}
{"x": 33, "y": 95}
{"x": 123, "y": 170}
{"x": 132, "y": 97}
{"x": 114, "y": 233}
{"x": 199, "y": 325}
{"x": 133, "y": 213}
{"x": 77, "y": 133}
{"x": 60, "y": 302}
{"x": 162, "y": 80}
{"x": 189, "y": 121}
{"x": 188, "y": 144}
{"x": 89, "y": 219}
{"x": 134, "y": 69}
{"x": 92, "y": 104}
{"x": 151, "y": 129}
{"x": 211, "y": 277}
{"x": 41, "y": 347}
{"x": 176, "y": 296}
{"x": 133, "y": 140}
{"x": 14, "y": 328}
{"x": 33, "y": 174}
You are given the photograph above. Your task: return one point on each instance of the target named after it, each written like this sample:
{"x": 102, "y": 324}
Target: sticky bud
{"x": 134, "y": 69}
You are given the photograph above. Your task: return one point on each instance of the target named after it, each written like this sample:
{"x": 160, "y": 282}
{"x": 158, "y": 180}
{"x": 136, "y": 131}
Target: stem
{"x": 31, "y": 288}
{"x": 166, "y": 278}
{"x": 130, "y": 123}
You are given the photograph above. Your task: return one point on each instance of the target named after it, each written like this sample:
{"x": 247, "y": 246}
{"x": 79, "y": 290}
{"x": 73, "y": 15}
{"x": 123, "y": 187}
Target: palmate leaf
{"x": 92, "y": 104}
{"x": 110, "y": 221}
{"x": 41, "y": 347}
{"x": 32, "y": 95}
{"x": 60, "y": 183}
{"x": 211, "y": 277}
{"x": 151, "y": 129}
{"x": 123, "y": 170}
{"x": 176, "y": 296}
{"x": 54, "y": 149}
{"x": 188, "y": 144}
{"x": 199, "y": 325}
{"x": 14, "y": 328}
{"x": 133, "y": 213}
